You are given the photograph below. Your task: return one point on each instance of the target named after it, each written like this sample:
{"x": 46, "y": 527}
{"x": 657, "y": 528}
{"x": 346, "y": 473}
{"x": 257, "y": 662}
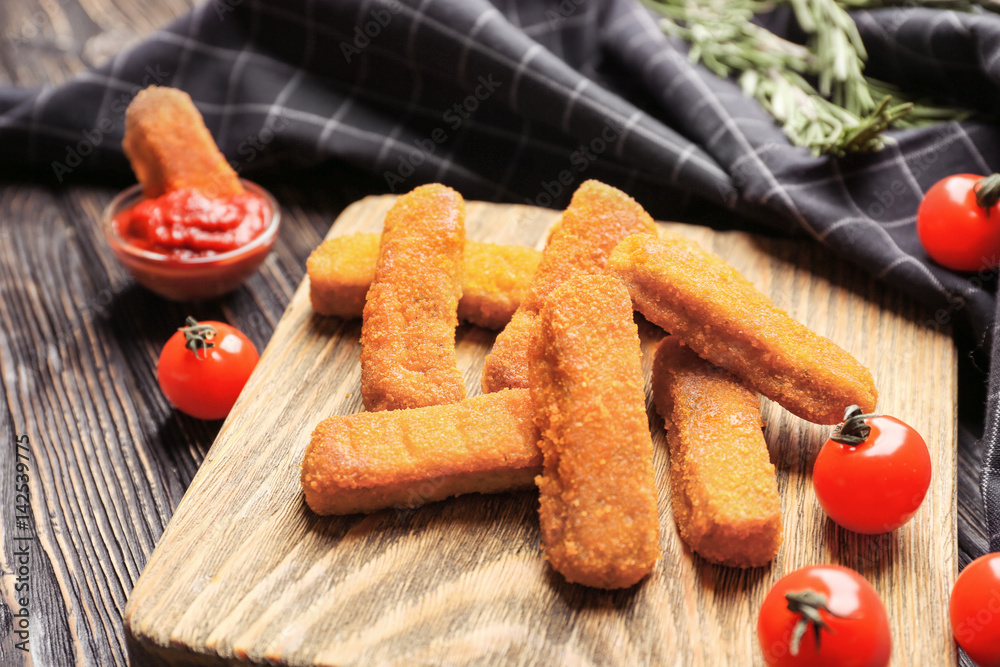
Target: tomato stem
{"x": 198, "y": 336}
{"x": 853, "y": 431}
{"x": 987, "y": 191}
{"x": 808, "y": 603}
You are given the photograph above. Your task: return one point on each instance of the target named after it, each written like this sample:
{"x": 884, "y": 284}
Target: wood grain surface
{"x": 245, "y": 572}
{"x": 109, "y": 459}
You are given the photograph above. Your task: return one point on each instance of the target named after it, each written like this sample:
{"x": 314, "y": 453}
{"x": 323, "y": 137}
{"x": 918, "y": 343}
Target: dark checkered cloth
{"x": 521, "y": 102}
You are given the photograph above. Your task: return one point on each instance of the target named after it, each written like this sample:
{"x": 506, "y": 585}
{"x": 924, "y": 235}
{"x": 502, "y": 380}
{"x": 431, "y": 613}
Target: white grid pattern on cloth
{"x": 911, "y": 53}
{"x": 197, "y": 16}
{"x": 234, "y": 76}
{"x": 561, "y": 89}
{"x": 471, "y": 38}
{"x": 418, "y": 85}
{"x": 695, "y": 154}
{"x": 867, "y": 222}
{"x": 331, "y": 125}
{"x": 270, "y": 109}
{"x": 650, "y": 28}
{"x": 899, "y": 222}
{"x": 630, "y": 123}
{"x": 117, "y": 62}
{"x": 571, "y": 102}
{"x": 680, "y": 163}
{"x": 929, "y": 40}
{"x": 515, "y": 84}
{"x": 658, "y": 137}
{"x": 411, "y": 39}
{"x": 577, "y": 19}
{"x": 300, "y": 72}
{"x": 972, "y": 148}
{"x": 522, "y": 140}
{"x": 883, "y": 165}
{"x": 904, "y": 168}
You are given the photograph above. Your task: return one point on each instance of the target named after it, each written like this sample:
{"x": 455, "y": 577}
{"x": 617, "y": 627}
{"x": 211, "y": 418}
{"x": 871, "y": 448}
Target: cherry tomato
{"x": 975, "y": 610}
{"x": 203, "y": 368}
{"x": 878, "y": 484}
{"x": 955, "y": 230}
{"x": 838, "y": 615}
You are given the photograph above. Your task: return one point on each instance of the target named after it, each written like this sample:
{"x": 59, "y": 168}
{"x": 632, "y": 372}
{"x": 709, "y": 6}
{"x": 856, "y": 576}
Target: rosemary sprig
{"x": 838, "y": 114}
{"x": 924, "y": 111}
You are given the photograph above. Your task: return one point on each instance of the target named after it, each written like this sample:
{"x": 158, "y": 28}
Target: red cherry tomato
{"x": 956, "y": 232}
{"x": 203, "y": 368}
{"x": 877, "y": 485}
{"x": 852, "y": 627}
{"x": 975, "y": 610}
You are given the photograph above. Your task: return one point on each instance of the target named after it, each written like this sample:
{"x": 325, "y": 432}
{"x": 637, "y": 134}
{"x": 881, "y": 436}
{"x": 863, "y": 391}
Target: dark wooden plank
{"x": 110, "y": 459}
{"x": 43, "y": 42}
{"x": 46, "y": 41}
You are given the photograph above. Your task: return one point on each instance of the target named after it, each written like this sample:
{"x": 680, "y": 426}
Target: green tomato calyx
{"x": 807, "y": 603}
{"x": 987, "y": 191}
{"x": 198, "y": 336}
{"x": 854, "y": 430}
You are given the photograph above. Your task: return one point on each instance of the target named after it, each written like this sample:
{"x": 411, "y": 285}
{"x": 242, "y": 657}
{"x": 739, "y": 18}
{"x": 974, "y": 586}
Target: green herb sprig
{"x": 837, "y": 115}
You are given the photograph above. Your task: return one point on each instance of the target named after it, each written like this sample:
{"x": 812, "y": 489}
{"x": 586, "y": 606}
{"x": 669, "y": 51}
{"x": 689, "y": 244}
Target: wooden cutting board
{"x": 245, "y": 572}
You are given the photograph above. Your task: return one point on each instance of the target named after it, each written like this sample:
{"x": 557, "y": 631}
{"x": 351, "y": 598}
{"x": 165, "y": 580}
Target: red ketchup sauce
{"x": 185, "y": 224}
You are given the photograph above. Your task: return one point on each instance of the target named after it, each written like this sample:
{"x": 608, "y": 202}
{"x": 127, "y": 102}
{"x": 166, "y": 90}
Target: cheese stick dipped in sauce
{"x": 598, "y": 217}
{"x": 170, "y": 148}
{"x": 719, "y": 314}
{"x": 408, "y": 355}
{"x": 597, "y": 491}
{"x": 724, "y": 490}
{"x": 197, "y": 231}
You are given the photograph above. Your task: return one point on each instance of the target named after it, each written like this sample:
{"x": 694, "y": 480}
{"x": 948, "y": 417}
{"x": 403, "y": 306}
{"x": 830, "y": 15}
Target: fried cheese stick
{"x": 719, "y": 314}
{"x": 725, "y": 495}
{"x": 598, "y": 495}
{"x": 405, "y": 458}
{"x": 170, "y": 148}
{"x": 494, "y": 278}
{"x": 598, "y": 217}
{"x": 408, "y": 355}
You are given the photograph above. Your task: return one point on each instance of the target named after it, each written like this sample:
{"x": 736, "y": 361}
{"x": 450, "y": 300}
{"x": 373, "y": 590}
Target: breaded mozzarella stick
{"x": 404, "y": 458}
{"x": 494, "y": 278}
{"x": 598, "y": 217}
{"x": 719, "y": 314}
{"x": 408, "y": 355}
{"x": 598, "y": 495}
{"x": 725, "y": 495}
{"x": 170, "y": 148}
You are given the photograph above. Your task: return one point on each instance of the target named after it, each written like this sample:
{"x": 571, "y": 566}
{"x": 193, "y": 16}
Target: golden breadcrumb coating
{"x": 408, "y": 355}
{"x": 494, "y": 278}
{"x": 341, "y": 270}
{"x": 404, "y": 458}
{"x": 170, "y": 148}
{"x": 725, "y": 494}
{"x": 719, "y": 314}
{"x": 598, "y": 495}
{"x": 598, "y": 217}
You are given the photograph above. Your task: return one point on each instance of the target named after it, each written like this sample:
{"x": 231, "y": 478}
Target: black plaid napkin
{"x": 524, "y": 100}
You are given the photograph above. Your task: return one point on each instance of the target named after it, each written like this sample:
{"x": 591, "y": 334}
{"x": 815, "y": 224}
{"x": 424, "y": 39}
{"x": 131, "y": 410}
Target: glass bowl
{"x": 194, "y": 278}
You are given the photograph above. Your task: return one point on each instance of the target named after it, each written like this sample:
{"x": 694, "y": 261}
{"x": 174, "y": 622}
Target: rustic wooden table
{"x": 106, "y": 457}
